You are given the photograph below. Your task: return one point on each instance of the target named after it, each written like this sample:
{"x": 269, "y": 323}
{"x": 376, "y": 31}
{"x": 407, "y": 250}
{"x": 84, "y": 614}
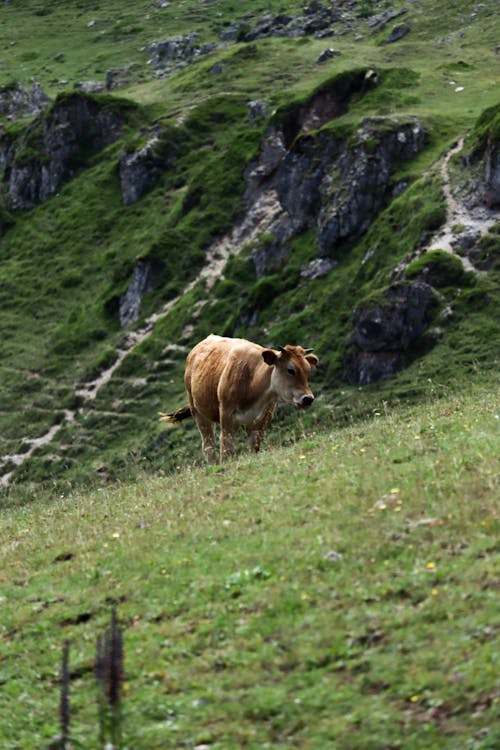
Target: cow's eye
{"x": 291, "y": 370}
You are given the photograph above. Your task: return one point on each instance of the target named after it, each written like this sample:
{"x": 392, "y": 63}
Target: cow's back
{"x": 214, "y": 361}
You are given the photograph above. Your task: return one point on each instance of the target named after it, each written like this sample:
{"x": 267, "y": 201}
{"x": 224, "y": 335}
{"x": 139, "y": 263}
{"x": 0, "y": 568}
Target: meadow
{"x": 340, "y": 592}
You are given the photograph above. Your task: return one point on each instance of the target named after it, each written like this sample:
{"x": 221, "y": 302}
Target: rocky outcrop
{"x": 483, "y": 156}
{"x": 140, "y": 283}
{"x": 335, "y": 181}
{"x": 16, "y": 101}
{"x": 356, "y": 189}
{"x": 384, "y": 330}
{"x": 316, "y": 20}
{"x": 491, "y": 190}
{"x": 53, "y": 147}
{"x": 379, "y": 21}
{"x": 169, "y": 54}
{"x": 141, "y": 169}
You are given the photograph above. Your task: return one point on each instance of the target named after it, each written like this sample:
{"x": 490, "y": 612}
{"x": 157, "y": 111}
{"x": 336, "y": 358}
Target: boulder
{"x": 384, "y": 330}
{"x": 339, "y": 185}
{"x": 327, "y": 54}
{"x": 397, "y": 33}
{"x": 392, "y": 322}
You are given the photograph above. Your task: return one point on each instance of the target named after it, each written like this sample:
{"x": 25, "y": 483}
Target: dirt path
{"x": 259, "y": 217}
{"x": 19, "y": 458}
{"x": 474, "y": 221}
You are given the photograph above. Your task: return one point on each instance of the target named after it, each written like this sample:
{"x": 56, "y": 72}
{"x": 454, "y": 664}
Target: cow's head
{"x": 290, "y": 376}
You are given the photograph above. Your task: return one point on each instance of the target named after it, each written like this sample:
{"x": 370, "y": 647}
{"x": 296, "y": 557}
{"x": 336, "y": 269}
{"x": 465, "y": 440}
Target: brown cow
{"x": 238, "y": 384}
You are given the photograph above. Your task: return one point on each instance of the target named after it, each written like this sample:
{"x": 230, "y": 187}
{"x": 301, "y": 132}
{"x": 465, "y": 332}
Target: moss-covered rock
{"x": 440, "y": 269}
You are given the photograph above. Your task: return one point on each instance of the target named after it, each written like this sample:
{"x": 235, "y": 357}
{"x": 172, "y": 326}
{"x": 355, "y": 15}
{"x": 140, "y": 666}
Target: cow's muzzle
{"x": 305, "y": 401}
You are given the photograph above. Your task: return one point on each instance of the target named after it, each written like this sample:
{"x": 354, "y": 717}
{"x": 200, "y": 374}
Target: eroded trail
{"x": 473, "y": 221}
{"x": 257, "y": 219}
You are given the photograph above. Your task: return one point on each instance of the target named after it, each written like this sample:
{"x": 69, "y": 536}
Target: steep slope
{"x": 251, "y": 180}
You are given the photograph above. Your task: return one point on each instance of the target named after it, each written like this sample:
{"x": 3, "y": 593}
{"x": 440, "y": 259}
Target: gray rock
{"x": 256, "y": 110}
{"x": 118, "y": 77}
{"x": 380, "y": 20}
{"x": 272, "y": 152}
{"x": 234, "y": 31}
{"x": 384, "y": 331}
{"x": 168, "y": 51}
{"x": 316, "y": 20}
{"x": 140, "y": 284}
{"x": 141, "y": 169}
{"x": 169, "y": 54}
{"x": 324, "y": 34}
{"x": 491, "y": 195}
{"x": 333, "y": 556}
{"x": 363, "y": 368}
{"x": 327, "y": 54}
{"x": 90, "y": 87}
{"x": 139, "y": 172}
{"x": 354, "y": 190}
{"x": 397, "y": 33}
{"x": 271, "y": 256}
{"x": 317, "y": 268}
{"x": 466, "y": 239}
{"x": 16, "y": 101}
{"x": 216, "y": 69}
{"x": 322, "y": 181}
{"x": 392, "y": 323}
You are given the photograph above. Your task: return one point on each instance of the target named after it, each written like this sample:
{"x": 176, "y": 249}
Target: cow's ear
{"x": 270, "y": 357}
{"x": 313, "y": 360}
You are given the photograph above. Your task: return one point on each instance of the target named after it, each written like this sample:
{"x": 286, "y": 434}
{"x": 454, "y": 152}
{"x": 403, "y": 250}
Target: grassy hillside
{"x": 65, "y": 264}
{"x": 339, "y": 592}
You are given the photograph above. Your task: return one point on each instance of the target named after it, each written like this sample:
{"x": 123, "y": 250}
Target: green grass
{"x": 242, "y": 628}
{"x": 65, "y": 264}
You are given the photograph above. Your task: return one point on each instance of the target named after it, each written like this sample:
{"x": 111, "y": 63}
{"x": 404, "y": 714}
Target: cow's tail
{"x": 176, "y": 416}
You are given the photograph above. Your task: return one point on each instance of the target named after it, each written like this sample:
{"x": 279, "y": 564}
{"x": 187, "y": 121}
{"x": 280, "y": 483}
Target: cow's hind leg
{"x": 227, "y": 432}
{"x": 207, "y": 432}
{"x": 255, "y": 440}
